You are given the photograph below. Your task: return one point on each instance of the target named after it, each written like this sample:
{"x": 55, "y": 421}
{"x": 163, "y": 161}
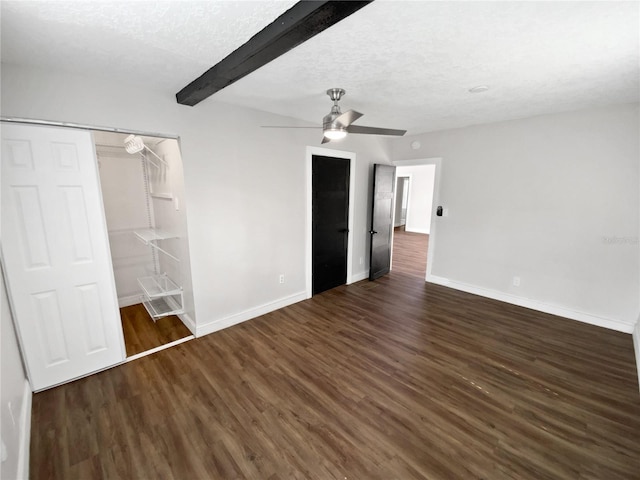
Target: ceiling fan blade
{"x": 325, "y": 140}
{"x": 375, "y": 130}
{"x": 284, "y": 126}
{"x": 347, "y": 118}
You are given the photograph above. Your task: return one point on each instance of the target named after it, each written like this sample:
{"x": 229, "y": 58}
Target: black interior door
{"x": 381, "y": 220}
{"x": 330, "y": 221}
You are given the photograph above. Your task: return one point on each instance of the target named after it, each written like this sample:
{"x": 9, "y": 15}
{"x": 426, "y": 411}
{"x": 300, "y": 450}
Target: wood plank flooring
{"x": 141, "y": 333}
{"x": 410, "y": 253}
{"x": 392, "y": 379}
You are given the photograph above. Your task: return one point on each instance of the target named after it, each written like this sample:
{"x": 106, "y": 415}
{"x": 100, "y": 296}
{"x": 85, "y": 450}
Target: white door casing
{"x": 56, "y": 253}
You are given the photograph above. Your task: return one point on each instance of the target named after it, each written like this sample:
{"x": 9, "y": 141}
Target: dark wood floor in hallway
{"x": 392, "y": 379}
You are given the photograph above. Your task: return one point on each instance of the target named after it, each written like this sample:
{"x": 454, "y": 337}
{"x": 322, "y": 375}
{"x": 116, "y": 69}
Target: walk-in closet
{"x": 95, "y": 252}
{"x": 142, "y": 191}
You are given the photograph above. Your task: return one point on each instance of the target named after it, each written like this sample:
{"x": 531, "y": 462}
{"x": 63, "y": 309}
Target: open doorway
{"x": 141, "y": 184}
{"x": 414, "y": 198}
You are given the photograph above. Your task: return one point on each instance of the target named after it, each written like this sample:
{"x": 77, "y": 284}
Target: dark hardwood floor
{"x": 410, "y": 253}
{"x": 141, "y": 333}
{"x": 392, "y": 379}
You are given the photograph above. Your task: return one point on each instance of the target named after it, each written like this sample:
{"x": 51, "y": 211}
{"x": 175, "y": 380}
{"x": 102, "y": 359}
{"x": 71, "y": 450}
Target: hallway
{"x": 410, "y": 253}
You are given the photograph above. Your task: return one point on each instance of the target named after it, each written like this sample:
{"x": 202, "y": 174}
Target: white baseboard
{"x": 609, "y": 323}
{"x": 128, "y": 301}
{"x": 25, "y": 433}
{"x": 416, "y": 230}
{"x": 636, "y": 346}
{"x": 223, "y": 323}
{"x": 356, "y": 277}
{"x": 188, "y": 321}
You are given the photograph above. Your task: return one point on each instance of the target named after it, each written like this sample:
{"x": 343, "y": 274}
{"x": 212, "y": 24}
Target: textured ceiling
{"x": 162, "y": 44}
{"x": 403, "y": 64}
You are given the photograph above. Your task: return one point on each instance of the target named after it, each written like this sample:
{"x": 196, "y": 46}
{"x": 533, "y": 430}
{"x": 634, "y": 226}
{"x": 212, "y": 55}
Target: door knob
{"x": 372, "y": 232}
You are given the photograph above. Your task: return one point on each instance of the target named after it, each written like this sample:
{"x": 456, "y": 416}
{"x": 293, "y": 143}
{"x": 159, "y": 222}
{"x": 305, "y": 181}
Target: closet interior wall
{"x": 127, "y": 210}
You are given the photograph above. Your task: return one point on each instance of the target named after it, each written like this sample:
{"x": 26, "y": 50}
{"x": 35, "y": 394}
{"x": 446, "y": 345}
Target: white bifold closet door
{"x": 56, "y": 254}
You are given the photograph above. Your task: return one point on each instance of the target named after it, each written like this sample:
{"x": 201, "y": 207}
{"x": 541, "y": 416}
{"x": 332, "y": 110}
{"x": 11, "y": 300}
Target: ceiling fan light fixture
{"x": 335, "y": 133}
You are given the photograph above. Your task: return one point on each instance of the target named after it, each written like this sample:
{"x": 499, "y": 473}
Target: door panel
{"x": 56, "y": 253}
{"x": 381, "y": 220}
{"x": 48, "y": 325}
{"x": 30, "y": 226}
{"x": 330, "y": 218}
{"x": 76, "y": 220}
{"x": 94, "y": 324}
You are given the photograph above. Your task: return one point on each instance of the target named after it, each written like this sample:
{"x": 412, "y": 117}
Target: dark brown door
{"x": 330, "y": 221}
{"x": 381, "y": 220}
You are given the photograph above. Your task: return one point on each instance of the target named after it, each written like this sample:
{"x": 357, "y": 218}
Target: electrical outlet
{"x": 361, "y": 260}
{"x": 516, "y": 281}
{"x": 282, "y": 278}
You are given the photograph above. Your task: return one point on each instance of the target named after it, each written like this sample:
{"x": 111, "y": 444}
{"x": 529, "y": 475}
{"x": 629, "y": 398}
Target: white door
{"x": 56, "y": 253}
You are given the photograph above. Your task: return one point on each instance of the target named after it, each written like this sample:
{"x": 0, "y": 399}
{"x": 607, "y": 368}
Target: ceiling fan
{"x": 336, "y": 125}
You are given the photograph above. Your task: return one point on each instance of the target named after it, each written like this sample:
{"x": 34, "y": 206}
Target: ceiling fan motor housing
{"x": 335, "y": 94}
{"x": 328, "y": 120}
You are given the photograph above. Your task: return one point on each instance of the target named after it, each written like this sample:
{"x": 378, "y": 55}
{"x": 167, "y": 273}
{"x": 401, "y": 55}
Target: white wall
{"x": 551, "y": 199}
{"x": 420, "y": 196}
{"x": 237, "y": 253}
{"x": 15, "y": 401}
{"x": 636, "y": 330}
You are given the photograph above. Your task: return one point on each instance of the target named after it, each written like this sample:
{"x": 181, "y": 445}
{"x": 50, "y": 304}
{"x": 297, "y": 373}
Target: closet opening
{"x": 141, "y": 179}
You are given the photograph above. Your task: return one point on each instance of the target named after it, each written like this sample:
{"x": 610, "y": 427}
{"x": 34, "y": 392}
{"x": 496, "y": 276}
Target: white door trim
{"x": 395, "y": 196}
{"x": 393, "y": 217}
{"x": 437, "y": 161}
{"x": 327, "y": 152}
